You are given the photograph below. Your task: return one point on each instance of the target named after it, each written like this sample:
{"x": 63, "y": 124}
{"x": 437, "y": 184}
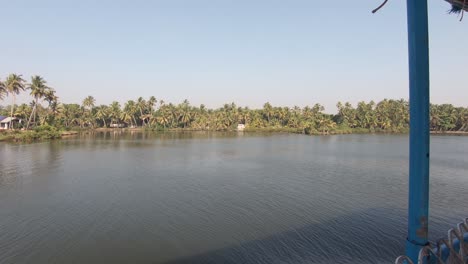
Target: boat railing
{"x": 450, "y": 250}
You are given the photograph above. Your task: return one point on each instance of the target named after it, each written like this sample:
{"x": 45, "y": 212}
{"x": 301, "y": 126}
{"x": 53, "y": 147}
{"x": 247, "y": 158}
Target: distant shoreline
{"x": 272, "y": 130}
{"x": 31, "y": 136}
{"x": 452, "y": 133}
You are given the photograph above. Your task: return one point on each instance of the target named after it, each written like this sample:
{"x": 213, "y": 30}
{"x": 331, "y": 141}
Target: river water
{"x": 219, "y": 198}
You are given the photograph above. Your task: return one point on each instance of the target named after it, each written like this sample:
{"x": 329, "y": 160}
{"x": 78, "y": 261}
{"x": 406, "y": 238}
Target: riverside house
{"x": 5, "y": 122}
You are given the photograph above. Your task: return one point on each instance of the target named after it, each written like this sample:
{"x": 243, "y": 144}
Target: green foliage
{"x": 44, "y": 128}
{"x": 154, "y": 127}
{"x": 45, "y": 132}
{"x": 5, "y": 135}
{"x": 386, "y": 116}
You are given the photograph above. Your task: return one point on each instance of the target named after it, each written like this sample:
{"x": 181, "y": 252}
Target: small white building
{"x": 5, "y": 122}
{"x": 117, "y": 125}
{"x": 240, "y": 127}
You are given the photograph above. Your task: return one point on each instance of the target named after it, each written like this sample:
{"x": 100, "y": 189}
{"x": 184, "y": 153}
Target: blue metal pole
{"x": 418, "y": 49}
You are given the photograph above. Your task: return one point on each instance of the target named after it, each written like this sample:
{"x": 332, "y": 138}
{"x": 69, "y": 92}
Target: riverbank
{"x": 50, "y": 133}
{"x": 338, "y": 131}
{"x": 451, "y": 133}
{"x": 37, "y": 134}
{"x": 68, "y": 133}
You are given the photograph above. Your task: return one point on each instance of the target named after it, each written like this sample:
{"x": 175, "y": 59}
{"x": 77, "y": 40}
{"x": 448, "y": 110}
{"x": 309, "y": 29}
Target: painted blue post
{"x": 418, "y": 49}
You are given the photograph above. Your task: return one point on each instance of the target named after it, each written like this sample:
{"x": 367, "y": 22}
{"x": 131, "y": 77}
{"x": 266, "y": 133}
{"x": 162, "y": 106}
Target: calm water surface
{"x": 219, "y": 198}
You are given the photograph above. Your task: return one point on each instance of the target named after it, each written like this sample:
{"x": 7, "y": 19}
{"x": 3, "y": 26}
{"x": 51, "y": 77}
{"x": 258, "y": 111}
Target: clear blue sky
{"x": 296, "y": 52}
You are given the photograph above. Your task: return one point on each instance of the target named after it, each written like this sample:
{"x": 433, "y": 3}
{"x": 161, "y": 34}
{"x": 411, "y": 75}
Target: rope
{"x": 380, "y": 6}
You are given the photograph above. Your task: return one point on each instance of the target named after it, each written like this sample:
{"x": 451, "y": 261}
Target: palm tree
{"x": 462, "y": 119}
{"x": 22, "y": 111}
{"x": 126, "y": 117}
{"x": 87, "y": 105}
{"x": 148, "y": 117}
{"x": 164, "y": 116}
{"x": 325, "y": 124}
{"x": 141, "y": 107}
{"x": 185, "y": 116}
{"x": 69, "y": 114}
{"x": 114, "y": 112}
{"x": 129, "y": 111}
{"x": 102, "y": 113}
{"x": 43, "y": 115}
{"x": 151, "y": 103}
{"x": 163, "y": 120}
{"x": 38, "y": 89}
{"x": 3, "y": 90}
{"x": 88, "y": 102}
{"x": 244, "y": 116}
{"x": 268, "y": 111}
{"x": 14, "y": 84}
{"x": 52, "y": 100}
{"x": 388, "y": 114}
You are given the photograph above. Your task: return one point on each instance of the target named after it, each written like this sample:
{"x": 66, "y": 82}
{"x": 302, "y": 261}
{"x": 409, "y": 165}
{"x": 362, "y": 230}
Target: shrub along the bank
{"x": 39, "y": 133}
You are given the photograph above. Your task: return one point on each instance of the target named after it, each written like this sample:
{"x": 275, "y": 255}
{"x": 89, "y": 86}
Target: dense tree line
{"x": 45, "y": 109}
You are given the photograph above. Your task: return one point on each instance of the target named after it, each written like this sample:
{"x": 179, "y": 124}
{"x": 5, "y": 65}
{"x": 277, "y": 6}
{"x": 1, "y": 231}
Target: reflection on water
{"x": 113, "y": 197}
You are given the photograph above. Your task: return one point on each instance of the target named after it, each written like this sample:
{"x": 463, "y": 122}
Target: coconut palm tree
{"x": 14, "y": 84}
{"x": 388, "y": 114}
{"x": 268, "y": 111}
{"x": 22, "y": 111}
{"x": 102, "y": 113}
{"x": 164, "y": 116}
{"x": 462, "y": 122}
{"x": 129, "y": 112}
{"x": 244, "y": 116}
{"x": 52, "y": 101}
{"x": 38, "y": 89}
{"x": 87, "y": 106}
{"x": 126, "y": 117}
{"x": 114, "y": 112}
{"x": 151, "y": 103}
{"x": 3, "y": 90}
{"x": 141, "y": 107}
{"x": 325, "y": 124}
{"x": 88, "y": 102}
{"x": 69, "y": 114}
{"x": 185, "y": 116}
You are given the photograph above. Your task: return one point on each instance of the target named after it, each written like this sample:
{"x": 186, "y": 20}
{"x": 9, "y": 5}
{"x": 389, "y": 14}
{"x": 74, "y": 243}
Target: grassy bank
{"x": 37, "y": 134}
{"x": 5, "y": 137}
{"x": 348, "y": 130}
{"x": 450, "y": 133}
{"x": 50, "y": 133}
{"x": 274, "y": 129}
